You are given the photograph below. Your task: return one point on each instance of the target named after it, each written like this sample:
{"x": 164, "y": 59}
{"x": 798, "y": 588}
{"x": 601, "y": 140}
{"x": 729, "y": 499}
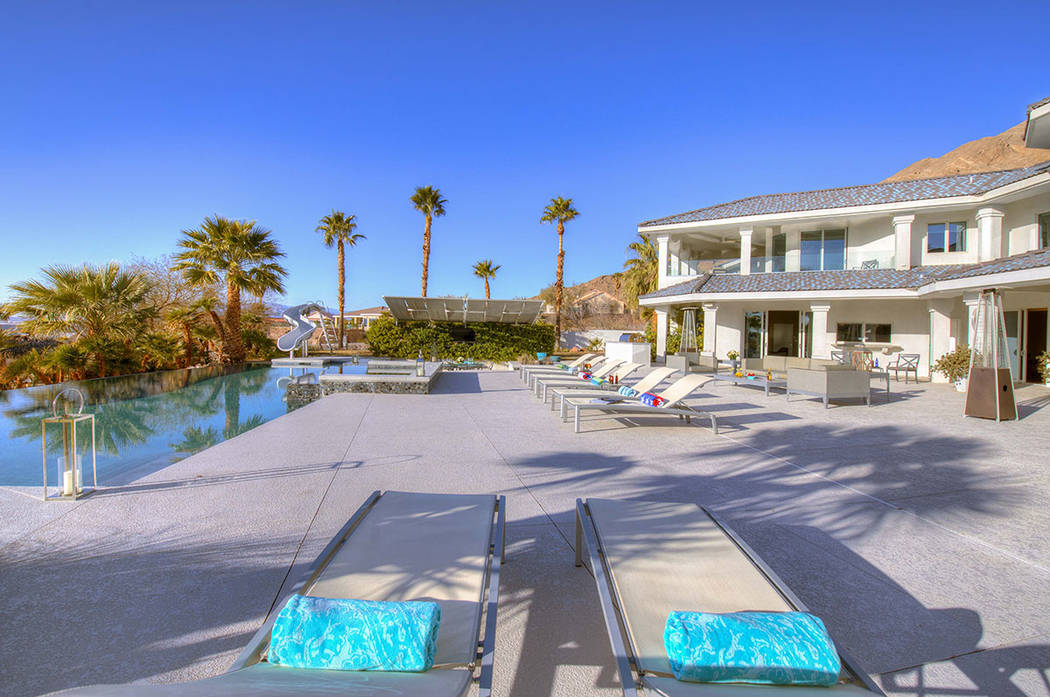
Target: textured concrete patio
{"x": 919, "y": 536}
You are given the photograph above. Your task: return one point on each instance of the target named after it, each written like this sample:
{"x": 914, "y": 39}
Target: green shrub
{"x": 1044, "y": 365}
{"x": 493, "y": 341}
{"x": 955, "y": 365}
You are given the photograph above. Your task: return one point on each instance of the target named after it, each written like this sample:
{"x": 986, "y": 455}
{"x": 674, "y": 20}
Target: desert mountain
{"x": 1004, "y": 151}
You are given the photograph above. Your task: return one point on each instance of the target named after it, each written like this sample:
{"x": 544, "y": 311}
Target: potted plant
{"x": 734, "y": 360}
{"x": 1043, "y": 360}
{"x": 955, "y": 366}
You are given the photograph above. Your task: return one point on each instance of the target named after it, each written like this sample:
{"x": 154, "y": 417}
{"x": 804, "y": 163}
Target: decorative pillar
{"x": 745, "y": 250}
{"x": 819, "y": 328}
{"x": 661, "y": 331}
{"x": 710, "y": 329}
{"x": 970, "y": 299}
{"x": 940, "y": 335}
{"x": 664, "y": 255}
{"x": 989, "y": 234}
{"x": 902, "y": 237}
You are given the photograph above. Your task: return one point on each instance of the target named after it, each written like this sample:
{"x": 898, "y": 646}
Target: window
{"x": 867, "y": 332}
{"x": 753, "y": 331}
{"x": 1044, "y": 230}
{"x": 946, "y": 237}
{"x": 779, "y": 251}
{"x": 822, "y": 249}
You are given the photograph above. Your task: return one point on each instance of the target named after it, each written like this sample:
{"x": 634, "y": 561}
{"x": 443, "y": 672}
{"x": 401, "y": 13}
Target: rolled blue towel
{"x": 345, "y": 634}
{"x": 626, "y": 391}
{"x": 770, "y": 648}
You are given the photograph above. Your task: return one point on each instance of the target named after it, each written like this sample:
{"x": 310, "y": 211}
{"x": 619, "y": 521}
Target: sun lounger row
{"x": 582, "y": 397}
{"x": 647, "y": 558}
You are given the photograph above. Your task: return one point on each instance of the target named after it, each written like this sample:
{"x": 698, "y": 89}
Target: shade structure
{"x": 464, "y": 309}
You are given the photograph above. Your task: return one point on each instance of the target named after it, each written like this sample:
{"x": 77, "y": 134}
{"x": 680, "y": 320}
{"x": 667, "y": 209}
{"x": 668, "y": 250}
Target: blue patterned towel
{"x": 627, "y": 391}
{"x": 597, "y": 381}
{"x": 773, "y": 648}
{"x": 343, "y": 634}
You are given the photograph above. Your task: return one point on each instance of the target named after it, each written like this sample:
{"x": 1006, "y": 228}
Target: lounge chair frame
{"x": 256, "y": 649}
{"x": 631, "y": 676}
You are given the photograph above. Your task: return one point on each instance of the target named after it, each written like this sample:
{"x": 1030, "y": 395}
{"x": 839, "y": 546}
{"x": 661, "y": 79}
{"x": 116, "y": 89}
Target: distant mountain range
{"x": 1004, "y": 151}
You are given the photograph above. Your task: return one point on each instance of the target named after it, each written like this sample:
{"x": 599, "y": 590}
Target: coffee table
{"x": 754, "y": 381}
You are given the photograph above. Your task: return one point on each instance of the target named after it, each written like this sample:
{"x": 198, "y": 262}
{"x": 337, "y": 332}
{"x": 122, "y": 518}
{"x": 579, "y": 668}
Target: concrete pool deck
{"x": 917, "y": 535}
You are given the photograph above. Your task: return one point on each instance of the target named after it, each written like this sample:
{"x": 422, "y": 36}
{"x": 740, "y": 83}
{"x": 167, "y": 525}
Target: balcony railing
{"x": 855, "y": 260}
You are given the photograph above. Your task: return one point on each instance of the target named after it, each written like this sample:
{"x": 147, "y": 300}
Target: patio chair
{"x": 593, "y": 364}
{"x": 672, "y": 396}
{"x": 908, "y": 362}
{"x": 445, "y": 548}
{"x": 646, "y": 384}
{"x": 650, "y": 558}
{"x": 619, "y": 373}
{"x": 526, "y": 370}
{"x": 543, "y": 379}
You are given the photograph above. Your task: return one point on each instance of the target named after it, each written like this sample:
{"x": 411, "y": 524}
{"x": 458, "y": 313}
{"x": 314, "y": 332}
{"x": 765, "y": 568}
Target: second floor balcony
{"x": 852, "y": 259}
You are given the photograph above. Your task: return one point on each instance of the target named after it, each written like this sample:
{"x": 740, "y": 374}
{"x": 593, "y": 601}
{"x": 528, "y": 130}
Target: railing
{"x": 855, "y": 260}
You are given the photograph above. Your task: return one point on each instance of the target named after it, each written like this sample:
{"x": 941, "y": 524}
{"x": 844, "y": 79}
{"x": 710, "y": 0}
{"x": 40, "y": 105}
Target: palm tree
{"x": 641, "y": 271}
{"x": 427, "y": 200}
{"x": 101, "y": 306}
{"x": 239, "y": 254}
{"x": 485, "y": 270}
{"x": 559, "y": 210}
{"x": 338, "y": 229}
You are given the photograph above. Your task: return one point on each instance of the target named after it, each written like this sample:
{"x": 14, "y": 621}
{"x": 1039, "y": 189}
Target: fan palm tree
{"x": 242, "y": 256}
{"x": 427, "y": 200}
{"x": 99, "y": 305}
{"x": 338, "y": 229}
{"x": 485, "y": 270}
{"x": 641, "y": 271}
{"x": 559, "y": 210}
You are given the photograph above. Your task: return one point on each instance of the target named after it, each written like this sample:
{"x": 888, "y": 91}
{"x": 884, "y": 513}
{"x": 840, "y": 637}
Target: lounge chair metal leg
{"x": 562, "y": 409}
{"x": 714, "y": 424}
{"x": 579, "y": 536}
{"x": 576, "y": 419}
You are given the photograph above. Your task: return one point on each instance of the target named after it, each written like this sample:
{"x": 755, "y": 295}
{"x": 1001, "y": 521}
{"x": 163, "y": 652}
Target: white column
{"x": 710, "y": 329}
{"x": 768, "y": 265}
{"x": 902, "y": 237}
{"x": 661, "y": 332}
{"x": 970, "y": 299}
{"x": 989, "y": 234}
{"x": 662, "y": 252}
{"x": 940, "y": 335}
{"x": 745, "y": 250}
{"x": 819, "y": 329}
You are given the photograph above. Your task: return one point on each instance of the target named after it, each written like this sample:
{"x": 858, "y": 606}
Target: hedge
{"x": 494, "y": 341}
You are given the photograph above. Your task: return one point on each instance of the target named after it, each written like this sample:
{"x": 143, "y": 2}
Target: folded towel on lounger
{"x": 627, "y": 391}
{"x": 651, "y": 400}
{"x": 345, "y": 634}
{"x": 597, "y": 381}
{"x": 771, "y": 648}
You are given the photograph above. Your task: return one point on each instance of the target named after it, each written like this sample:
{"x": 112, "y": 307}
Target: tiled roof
{"x": 857, "y": 279}
{"x": 865, "y": 195}
{"x": 1041, "y": 102}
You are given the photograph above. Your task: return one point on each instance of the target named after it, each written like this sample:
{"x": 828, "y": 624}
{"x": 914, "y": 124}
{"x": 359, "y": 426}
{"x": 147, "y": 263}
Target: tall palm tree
{"x": 101, "y": 306}
{"x": 559, "y": 210}
{"x": 338, "y": 229}
{"x": 485, "y": 270}
{"x": 427, "y": 200}
{"x": 641, "y": 271}
{"x": 242, "y": 256}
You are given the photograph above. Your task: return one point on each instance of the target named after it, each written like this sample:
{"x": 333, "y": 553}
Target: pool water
{"x": 142, "y": 422}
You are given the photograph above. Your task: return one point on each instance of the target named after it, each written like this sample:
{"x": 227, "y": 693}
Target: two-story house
{"x": 896, "y": 266}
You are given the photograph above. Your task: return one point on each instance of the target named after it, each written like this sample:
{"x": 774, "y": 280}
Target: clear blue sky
{"x": 124, "y": 123}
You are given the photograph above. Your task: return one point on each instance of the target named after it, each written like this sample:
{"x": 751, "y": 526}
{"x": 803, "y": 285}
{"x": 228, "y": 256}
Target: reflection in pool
{"x": 143, "y": 422}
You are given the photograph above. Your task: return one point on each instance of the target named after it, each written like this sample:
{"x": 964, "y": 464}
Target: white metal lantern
{"x": 69, "y": 464}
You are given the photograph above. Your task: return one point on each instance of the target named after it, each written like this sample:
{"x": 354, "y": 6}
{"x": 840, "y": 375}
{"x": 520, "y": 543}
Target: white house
{"x": 895, "y": 265}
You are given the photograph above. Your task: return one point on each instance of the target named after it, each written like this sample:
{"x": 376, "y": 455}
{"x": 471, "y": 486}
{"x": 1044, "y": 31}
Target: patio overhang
{"x": 1037, "y": 128}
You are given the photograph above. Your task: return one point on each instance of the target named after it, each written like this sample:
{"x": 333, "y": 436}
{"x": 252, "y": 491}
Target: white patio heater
{"x": 989, "y": 384}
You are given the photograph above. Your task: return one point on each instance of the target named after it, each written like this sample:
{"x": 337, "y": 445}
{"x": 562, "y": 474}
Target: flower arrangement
{"x": 733, "y": 355}
{"x": 1043, "y": 361}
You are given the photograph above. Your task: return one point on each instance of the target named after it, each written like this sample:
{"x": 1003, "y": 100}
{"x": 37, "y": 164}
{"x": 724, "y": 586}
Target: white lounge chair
{"x": 618, "y": 372}
{"x": 526, "y": 369}
{"x": 592, "y": 364}
{"x": 672, "y": 396}
{"x": 646, "y": 384}
{"x": 398, "y": 546}
{"x": 649, "y": 558}
{"x": 606, "y": 368}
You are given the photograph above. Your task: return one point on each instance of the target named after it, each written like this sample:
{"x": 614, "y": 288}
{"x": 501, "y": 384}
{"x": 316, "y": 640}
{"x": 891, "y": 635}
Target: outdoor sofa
{"x": 398, "y": 546}
{"x": 650, "y": 558}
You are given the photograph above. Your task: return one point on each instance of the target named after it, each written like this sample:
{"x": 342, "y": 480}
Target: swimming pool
{"x": 143, "y": 422}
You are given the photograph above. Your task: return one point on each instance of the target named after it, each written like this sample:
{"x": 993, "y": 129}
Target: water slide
{"x": 302, "y": 328}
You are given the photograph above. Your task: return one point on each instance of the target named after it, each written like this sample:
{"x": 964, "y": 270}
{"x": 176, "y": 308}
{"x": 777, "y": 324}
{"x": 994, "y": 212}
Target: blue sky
{"x": 124, "y": 123}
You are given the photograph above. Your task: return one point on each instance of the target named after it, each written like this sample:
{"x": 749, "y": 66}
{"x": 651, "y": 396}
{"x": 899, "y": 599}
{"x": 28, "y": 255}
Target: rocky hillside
{"x": 1004, "y": 151}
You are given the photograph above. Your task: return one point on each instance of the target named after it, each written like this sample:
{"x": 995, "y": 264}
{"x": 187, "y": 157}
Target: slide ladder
{"x": 326, "y": 323}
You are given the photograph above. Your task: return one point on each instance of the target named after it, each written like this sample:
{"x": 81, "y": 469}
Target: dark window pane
{"x": 834, "y": 249}
{"x": 1044, "y": 230}
{"x": 779, "y": 251}
{"x": 879, "y": 333}
{"x": 935, "y": 237}
{"x": 807, "y": 330}
{"x": 848, "y": 332}
{"x": 753, "y": 335}
{"x": 956, "y": 237}
{"x": 810, "y": 251}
